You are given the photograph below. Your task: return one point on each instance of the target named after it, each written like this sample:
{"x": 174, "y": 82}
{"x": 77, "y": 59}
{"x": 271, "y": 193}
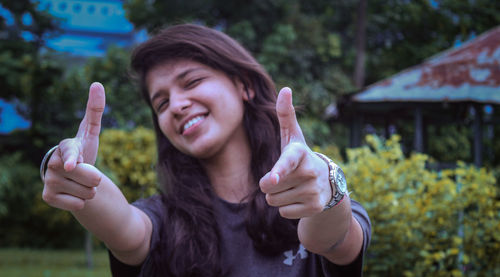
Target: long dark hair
{"x": 190, "y": 230}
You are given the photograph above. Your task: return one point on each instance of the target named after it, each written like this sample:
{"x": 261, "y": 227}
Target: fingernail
{"x": 277, "y": 178}
{"x": 68, "y": 166}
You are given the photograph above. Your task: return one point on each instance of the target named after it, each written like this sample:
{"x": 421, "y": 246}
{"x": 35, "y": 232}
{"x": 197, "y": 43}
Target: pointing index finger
{"x": 91, "y": 123}
{"x": 289, "y": 127}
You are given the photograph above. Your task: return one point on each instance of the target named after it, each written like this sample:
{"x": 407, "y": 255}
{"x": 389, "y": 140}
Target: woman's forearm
{"x": 334, "y": 233}
{"x": 124, "y": 229}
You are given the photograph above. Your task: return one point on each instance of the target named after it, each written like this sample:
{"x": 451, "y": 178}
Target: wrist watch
{"x": 337, "y": 182}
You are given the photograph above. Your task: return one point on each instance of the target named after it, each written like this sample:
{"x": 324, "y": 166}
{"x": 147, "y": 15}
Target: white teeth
{"x": 192, "y": 122}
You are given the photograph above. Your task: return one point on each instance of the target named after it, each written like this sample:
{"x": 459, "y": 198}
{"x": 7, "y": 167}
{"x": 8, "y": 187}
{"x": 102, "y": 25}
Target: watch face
{"x": 340, "y": 180}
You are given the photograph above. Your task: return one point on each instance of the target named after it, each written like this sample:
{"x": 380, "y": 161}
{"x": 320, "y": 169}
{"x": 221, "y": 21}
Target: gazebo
{"x": 460, "y": 82}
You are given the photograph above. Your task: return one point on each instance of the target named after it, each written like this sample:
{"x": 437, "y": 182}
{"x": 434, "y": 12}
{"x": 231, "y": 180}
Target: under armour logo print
{"x": 290, "y": 257}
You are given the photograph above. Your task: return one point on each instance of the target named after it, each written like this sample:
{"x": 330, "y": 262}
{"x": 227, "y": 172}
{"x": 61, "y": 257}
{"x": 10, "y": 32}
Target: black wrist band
{"x": 45, "y": 161}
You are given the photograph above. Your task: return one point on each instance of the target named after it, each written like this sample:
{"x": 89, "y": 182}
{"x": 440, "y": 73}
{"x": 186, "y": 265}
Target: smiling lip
{"x": 192, "y": 123}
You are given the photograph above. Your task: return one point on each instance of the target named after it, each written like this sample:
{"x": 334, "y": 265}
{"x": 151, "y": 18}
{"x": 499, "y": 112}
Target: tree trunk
{"x": 359, "y": 70}
{"x": 88, "y": 250}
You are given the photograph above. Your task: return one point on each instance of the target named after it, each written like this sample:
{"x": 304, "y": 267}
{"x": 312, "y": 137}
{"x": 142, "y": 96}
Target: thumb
{"x": 289, "y": 127}
{"x": 90, "y": 127}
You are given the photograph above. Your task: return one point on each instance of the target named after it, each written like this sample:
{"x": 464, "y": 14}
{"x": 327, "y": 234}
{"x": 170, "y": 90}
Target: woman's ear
{"x": 247, "y": 92}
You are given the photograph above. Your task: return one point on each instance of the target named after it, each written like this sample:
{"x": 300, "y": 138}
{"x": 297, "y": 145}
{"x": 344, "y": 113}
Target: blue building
{"x": 91, "y": 26}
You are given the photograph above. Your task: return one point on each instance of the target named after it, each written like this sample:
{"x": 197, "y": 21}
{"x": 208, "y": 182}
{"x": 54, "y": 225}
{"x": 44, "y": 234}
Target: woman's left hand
{"x": 298, "y": 183}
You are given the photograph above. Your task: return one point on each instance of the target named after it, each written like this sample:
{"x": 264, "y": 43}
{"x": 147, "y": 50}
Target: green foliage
{"x": 22, "y": 210}
{"x": 51, "y": 94}
{"x": 30, "y": 77}
{"x": 307, "y": 45}
{"x": 491, "y": 143}
{"x": 331, "y": 151}
{"x": 124, "y": 105}
{"x": 316, "y": 131}
{"x": 450, "y": 143}
{"x": 13, "y": 190}
{"x": 403, "y": 33}
{"x": 425, "y": 223}
{"x": 128, "y": 158}
{"x": 20, "y": 39}
{"x": 399, "y": 33}
{"x": 275, "y": 49}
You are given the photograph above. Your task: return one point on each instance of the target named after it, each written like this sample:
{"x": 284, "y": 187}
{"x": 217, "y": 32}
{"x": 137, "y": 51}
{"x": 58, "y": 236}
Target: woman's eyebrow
{"x": 186, "y": 72}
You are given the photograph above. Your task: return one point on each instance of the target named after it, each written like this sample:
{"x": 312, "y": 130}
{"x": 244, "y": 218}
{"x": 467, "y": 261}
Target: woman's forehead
{"x": 174, "y": 67}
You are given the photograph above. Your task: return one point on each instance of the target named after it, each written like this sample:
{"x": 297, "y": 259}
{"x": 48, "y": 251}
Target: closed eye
{"x": 162, "y": 103}
{"x": 193, "y": 83}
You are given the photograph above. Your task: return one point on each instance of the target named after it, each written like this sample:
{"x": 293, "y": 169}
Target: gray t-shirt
{"x": 240, "y": 257}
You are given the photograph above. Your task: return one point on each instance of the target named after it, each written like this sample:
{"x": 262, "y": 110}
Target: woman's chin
{"x": 201, "y": 152}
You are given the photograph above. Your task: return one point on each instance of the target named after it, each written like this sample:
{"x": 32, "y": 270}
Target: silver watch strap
{"x": 337, "y": 197}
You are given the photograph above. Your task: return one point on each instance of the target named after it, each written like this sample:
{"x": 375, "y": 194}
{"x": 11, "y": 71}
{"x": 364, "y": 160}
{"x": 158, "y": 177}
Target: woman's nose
{"x": 179, "y": 103}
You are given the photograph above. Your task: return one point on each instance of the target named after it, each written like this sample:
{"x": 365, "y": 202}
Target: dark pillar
{"x": 477, "y": 129}
{"x": 356, "y": 124}
{"x": 418, "y": 143}
{"x": 387, "y": 131}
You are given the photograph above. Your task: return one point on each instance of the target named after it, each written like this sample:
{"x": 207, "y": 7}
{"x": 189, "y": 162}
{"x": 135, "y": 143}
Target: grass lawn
{"x": 51, "y": 263}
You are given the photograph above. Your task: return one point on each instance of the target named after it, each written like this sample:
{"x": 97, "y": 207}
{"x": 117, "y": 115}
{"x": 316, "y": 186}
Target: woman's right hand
{"x": 71, "y": 178}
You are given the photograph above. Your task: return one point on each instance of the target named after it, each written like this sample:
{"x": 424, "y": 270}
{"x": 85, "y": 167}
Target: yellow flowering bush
{"x": 128, "y": 158}
{"x": 425, "y": 222}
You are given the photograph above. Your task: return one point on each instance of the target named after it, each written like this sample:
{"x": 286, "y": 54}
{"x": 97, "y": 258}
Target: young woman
{"x": 242, "y": 193}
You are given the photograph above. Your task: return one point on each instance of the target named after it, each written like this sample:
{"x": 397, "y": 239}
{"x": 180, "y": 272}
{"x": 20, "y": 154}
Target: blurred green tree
{"x": 309, "y": 45}
{"x": 32, "y": 78}
{"x": 125, "y": 108}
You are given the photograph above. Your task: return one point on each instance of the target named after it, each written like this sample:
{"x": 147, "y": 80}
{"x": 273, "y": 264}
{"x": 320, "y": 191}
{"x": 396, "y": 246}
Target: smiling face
{"x": 200, "y": 110}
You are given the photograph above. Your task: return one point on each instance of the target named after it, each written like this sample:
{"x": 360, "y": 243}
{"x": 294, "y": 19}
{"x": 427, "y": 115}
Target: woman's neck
{"x": 230, "y": 173}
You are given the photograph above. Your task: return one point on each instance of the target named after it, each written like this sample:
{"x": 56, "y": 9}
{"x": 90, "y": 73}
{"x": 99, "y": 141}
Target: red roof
{"x": 470, "y": 72}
